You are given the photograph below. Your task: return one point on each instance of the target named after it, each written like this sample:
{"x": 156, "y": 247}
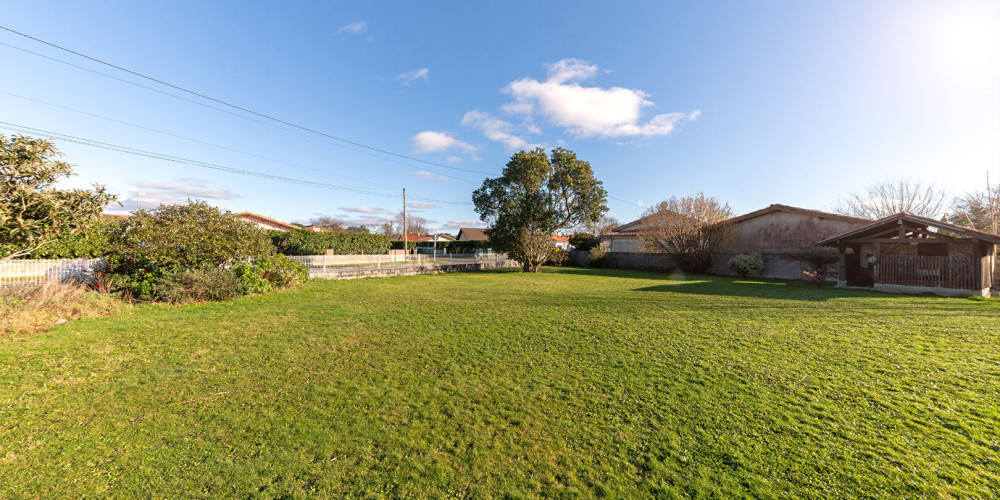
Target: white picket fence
{"x": 35, "y": 271}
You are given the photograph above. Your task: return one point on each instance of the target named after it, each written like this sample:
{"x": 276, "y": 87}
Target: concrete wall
{"x": 347, "y": 274}
{"x": 783, "y": 239}
{"x": 624, "y": 244}
{"x": 628, "y": 260}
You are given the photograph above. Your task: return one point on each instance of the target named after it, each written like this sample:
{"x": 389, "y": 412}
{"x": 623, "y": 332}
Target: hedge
{"x": 301, "y": 242}
{"x": 464, "y": 246}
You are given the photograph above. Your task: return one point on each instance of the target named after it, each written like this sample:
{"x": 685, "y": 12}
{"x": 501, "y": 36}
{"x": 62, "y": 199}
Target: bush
{"x": 584, "y": 241}
{"x": 557, "y": 257}
{"x": 153, "y": 244}
{"x": 90, "y": 243}
{"x": 302, "y": 242}
{"x": 463, "y": 246}
{"x": 190, "y": 285}
{"x": 598, "y": 257}
{"x": 745, "y": 264}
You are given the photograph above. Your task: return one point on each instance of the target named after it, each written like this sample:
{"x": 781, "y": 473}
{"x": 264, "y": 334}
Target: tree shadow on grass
{"x": 677, "y": 282}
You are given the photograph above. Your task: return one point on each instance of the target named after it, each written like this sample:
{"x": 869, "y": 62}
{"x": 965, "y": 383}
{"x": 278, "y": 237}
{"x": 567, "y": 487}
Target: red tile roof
{"x": 556, "y": 237}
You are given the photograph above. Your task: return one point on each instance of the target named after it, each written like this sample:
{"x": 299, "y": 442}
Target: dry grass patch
{"x": 35, "y": 308}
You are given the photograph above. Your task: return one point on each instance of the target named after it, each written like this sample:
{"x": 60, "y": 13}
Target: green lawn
{"x": 567, "y": 383}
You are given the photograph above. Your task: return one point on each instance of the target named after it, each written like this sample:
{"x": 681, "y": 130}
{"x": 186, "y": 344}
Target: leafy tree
{"x": 535, "y": 196}
{"x": 891, "y": 196}
{"x": 33, "y": 212}
{"x": 691, "y": 230}
{"x": 584, "y": 241}
{"x": 358, "y": 230}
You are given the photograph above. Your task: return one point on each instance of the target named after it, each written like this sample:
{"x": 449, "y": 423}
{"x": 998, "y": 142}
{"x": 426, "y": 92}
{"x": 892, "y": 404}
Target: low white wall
{"x": 335, "y": 260}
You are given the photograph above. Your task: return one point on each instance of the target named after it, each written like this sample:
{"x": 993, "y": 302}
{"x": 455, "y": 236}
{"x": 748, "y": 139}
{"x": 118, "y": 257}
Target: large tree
{"x": 536, "y": 195}
{"x": 329, "y": 224}
{"x": 891, "y": 196}
{"x": 691, "y": 230}
{"x": 33, "y": 212}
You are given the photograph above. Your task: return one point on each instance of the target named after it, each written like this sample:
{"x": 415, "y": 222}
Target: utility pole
{"x": 406, "y": 245}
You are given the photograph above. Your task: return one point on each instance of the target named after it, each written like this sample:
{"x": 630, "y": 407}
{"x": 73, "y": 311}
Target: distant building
{"x": 472, "y": 233}
{"x": 266, "y": 222}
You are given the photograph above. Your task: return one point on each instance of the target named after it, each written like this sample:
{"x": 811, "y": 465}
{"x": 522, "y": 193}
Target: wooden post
{"x": 842, "y": 272}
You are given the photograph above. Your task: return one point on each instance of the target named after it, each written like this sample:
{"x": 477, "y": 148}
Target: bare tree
{"x": 327, "y": 223}
{"x": 386, "y": 228}
{"x": 604, "y": 225}
{"x": 691, "y": 229}
{"x": 977, "y": 209}
{"x": 891, "y": 196}
{"x": 415, "y": 225}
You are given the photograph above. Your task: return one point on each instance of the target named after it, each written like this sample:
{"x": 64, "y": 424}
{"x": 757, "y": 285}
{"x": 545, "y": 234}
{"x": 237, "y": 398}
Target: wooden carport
{"x": 909, "y": 253}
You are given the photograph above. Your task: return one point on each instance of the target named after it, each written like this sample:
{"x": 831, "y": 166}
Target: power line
{"x": 224, "y": 168}
{"x": 625, "y": 201}
{"x": 234, "y": 106}
{"x": 221, "y": 110}
{"x": 199, "y": 141}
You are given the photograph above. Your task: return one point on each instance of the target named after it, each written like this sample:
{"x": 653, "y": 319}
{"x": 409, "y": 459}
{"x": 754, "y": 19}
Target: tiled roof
{"x": 556, "y": 237}
{"x": 473, "y": 233}
{"x": 916, "y": 219}
{"x": 251, "y": 215}
{"x": 796, "y": 210}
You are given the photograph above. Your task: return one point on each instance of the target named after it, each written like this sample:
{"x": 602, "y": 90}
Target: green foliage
{"x": 313, "y": 243}
{"x": 557, "y": 257}
{"x": 598, "y": 257}
{"x": 584, "y": 241}
{"x": 90, "y": 242}
{"x": 33, "y": 212}
{"x": 198, "y": 285}
{"x": 152, "y": 244}
{"x": 746, "y": 264}
{"x": 535, "y": 196}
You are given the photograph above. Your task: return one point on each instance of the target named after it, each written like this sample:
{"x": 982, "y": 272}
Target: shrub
{"x": 598, "y": 257}
{"x": 557, "y": 257}
{"x": 152, "y": 244}
{"x": 584, "y": 241}
{"x": 745, "y": 264}
{"x": 91, "y": 242}
{"x": 302, "y": 242}
{"x": 190, "y": 285}
{"x": 810, "y": 277}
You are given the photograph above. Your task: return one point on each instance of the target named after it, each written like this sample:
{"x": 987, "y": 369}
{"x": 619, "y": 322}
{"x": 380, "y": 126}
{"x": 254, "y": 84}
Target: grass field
{"x": 564, "y": 383}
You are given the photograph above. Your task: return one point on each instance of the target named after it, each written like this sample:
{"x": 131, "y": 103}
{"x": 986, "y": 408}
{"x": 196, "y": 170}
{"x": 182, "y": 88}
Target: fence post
{"x": 324, "y": 262}
{"x": 418, "y": 260}
{"x": 378, "y": 261}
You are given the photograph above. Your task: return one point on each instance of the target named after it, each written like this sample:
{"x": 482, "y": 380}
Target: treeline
{"x": 312, "y": 243}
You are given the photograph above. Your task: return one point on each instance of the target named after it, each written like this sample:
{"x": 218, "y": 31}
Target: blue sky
{"x": 752, "y": 102}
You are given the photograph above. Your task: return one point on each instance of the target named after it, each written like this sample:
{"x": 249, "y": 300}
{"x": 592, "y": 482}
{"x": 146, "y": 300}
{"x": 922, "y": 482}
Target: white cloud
{"x": 412, "y": 76}
{"x": 694, "y": 115}
{"x": 430, "y": 141}
{"x": 430, "y": 176}
{"x": 588, "y": 111}
{"x": 353, "y": 28}
{"x": 458, "y": 224}
{"x": 364, "y": 210}
{"x": 420, "y": 204}
{"x": 453, "y": 159}
{"x": 152, "y": 194}
{"x": 495, "y": 129}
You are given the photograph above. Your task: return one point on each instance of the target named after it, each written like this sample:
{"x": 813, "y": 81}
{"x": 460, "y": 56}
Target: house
{"x": 472, "y": 233}
{"x": 914, "y": 254}
{"x": 266, "y": 222}
{"x": 413, "y": 238}
{"x": 561, "y": 242}
{"x": 624, "y": 238}
{"x": 783, "y": 235}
